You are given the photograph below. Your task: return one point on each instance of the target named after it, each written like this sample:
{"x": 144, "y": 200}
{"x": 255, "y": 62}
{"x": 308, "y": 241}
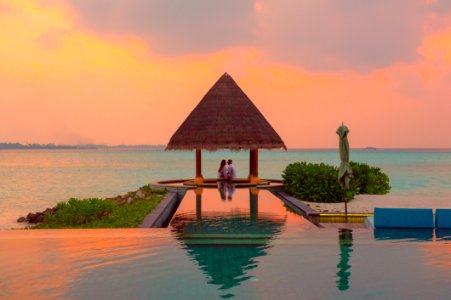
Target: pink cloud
{"x": 319, "y": 35}
{"x": 172, "y": 27}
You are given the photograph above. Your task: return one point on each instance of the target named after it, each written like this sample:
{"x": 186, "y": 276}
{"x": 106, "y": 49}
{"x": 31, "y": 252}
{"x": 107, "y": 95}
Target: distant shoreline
{"x": 376, "y": 150}
{"x": 18, "y": 146}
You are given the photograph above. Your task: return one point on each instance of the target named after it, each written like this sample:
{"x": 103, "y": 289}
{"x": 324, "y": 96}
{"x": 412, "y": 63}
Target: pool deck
{"x": 213, "y": 183}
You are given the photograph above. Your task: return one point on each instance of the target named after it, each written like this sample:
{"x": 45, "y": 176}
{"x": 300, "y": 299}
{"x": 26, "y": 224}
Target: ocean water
{"x": 31, "y": 180}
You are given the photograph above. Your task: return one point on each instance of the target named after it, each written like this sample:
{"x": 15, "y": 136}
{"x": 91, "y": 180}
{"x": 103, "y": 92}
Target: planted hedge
{"x": 318, "y": 182}
{"x": 369, "y": 180}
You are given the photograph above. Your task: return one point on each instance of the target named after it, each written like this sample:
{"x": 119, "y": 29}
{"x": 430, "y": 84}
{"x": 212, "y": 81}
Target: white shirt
{"x": 232, "y": 171}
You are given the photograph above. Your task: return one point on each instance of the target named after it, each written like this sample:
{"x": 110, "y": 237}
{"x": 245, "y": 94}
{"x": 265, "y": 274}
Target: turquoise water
{"x": 247, "y": 246}
{"x": 34, "y": 180}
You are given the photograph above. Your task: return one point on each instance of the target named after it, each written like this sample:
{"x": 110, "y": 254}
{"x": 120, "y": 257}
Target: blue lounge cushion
{"x": 443, "y": 218}
{"x": 403, "y": 218}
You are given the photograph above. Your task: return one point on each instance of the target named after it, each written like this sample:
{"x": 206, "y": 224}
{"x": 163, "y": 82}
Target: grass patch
{"x": 104, "y": 213}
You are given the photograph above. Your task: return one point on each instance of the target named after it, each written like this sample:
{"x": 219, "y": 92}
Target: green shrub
{"x": 314, "y": 182}
{"x": 369, "y": 180}
{"x": 129, "y": 215}
{"x": 319, "y": 183}
{"x": 78, "y": 212}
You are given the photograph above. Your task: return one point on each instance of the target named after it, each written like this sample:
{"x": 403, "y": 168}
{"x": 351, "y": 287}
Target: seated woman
{"x": 221, "y": 173}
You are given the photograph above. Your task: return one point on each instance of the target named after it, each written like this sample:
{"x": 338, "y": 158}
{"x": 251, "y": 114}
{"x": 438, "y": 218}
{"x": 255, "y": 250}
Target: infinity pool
{"x": 248, "y": 246}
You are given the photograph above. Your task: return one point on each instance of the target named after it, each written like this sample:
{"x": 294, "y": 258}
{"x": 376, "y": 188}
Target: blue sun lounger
{"x": 414, "y": 224}
{"x": 443, "y": 218}
{"x": 403, "y": 218}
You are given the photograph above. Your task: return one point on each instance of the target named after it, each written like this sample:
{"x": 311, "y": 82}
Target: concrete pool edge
{"x": 159, "y": 216}
{"x": 163, "y": 213}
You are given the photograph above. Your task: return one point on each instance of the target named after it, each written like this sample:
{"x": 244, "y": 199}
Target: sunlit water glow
{"x": 151, "y": 264}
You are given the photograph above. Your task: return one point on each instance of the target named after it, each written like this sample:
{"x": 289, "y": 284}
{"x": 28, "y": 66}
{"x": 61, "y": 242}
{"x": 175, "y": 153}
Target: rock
{"x": 31, "y": 217}
{"x": 140, "y": 194}
{"x": 35, "y": 218}
{"x": 40, "y": 218}
{"x": 129, "y": 200}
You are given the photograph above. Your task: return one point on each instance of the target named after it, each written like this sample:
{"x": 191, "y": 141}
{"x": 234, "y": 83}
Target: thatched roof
{"x": 225, "y": 118}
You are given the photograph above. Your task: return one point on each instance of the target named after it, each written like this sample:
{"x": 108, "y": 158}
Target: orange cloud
{"x": 61, "y": 82}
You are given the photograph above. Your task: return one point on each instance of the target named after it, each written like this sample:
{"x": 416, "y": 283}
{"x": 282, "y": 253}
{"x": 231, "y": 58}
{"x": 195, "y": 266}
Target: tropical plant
{"x": 318, "y": 182}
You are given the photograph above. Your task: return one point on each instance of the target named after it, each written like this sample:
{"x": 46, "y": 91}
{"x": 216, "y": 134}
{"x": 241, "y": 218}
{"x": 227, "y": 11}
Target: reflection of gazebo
{"x": 226, "y": 266}
{"x": 226, "y": 118}
{"x": 226, "y": 245}
{"x": 242, "y": 227}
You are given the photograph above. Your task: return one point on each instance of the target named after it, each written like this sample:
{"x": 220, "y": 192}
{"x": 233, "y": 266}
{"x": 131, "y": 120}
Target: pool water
{"x": 244, "y": 216}
{"x": 247, "y": 247}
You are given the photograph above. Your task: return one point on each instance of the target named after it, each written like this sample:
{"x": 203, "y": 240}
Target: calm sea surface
{"x": 32, "y": 180}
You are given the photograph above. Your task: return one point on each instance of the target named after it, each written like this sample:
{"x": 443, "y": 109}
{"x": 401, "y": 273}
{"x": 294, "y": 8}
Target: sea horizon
{"x": 160, "y": 147}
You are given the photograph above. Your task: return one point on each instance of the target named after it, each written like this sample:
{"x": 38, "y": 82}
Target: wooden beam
{"x": 199, "y": 178}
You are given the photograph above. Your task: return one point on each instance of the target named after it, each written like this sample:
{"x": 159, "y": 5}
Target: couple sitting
{"x": 226, "y": 170}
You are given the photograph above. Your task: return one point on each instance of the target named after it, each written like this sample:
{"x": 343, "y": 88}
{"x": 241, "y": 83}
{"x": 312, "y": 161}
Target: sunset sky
{"x": 129, "y": 72}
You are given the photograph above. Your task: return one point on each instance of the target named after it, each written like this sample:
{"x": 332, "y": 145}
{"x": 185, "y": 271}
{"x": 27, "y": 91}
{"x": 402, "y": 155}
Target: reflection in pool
{"x": 231, "y": 223}
{"x": 344, "y": 266}
{"x": 225, "y": 239}
{"x": 226, "y": 266}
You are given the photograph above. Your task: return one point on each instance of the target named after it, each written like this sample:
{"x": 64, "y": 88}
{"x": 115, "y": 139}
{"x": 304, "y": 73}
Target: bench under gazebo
{"x": 226, "y": 118}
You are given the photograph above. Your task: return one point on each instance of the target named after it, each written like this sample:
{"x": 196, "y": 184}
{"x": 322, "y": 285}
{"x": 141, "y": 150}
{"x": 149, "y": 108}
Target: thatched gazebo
{"x": 226, "y": 118}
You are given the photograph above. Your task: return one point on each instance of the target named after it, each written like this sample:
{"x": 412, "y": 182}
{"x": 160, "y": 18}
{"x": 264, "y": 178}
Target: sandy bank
{"x": 367, "y": 203}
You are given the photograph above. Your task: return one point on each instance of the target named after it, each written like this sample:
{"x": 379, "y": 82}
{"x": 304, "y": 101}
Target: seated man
{"x": 231, "y": 172}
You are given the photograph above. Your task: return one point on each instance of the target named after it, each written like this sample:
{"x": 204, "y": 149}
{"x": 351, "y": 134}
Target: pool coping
{"x": 297, "y": 204}
{"x": 160, "y": 214}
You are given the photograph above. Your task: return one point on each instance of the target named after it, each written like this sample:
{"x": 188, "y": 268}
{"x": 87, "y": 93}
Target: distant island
{"x": 16, "y": 146}
{"x": 19, "y": 146}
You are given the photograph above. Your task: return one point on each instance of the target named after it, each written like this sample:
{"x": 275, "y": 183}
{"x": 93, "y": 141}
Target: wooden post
{"x": 253, "y": 165}
{"x": 251, "y": 154}
{"x": 199, "y": 178}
